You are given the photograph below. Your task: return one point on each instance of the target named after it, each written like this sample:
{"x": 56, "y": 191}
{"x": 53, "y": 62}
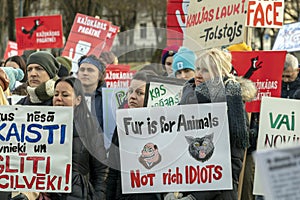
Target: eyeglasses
{"x": 286, "y": 76}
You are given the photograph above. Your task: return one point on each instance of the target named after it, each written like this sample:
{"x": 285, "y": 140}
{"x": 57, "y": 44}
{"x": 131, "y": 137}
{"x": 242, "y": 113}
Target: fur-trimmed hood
{"x": 249, "y": 90}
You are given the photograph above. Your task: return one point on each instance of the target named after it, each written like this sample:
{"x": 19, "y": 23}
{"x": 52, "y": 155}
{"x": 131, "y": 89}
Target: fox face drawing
{"x": 37, "y": 23}
{"x": 202, "y": 148}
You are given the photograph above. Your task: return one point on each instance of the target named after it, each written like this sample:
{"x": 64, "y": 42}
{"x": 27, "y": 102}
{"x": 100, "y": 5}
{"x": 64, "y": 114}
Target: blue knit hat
{"x": 13, "y": 76}
{"x": 184, "y": 59}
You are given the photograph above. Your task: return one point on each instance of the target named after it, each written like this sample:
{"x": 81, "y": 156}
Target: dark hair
{"x": 143, "y": 75}
{"x": 81, "y": 112}
{"x": 107, "y": 57}
{"x": 21, "y": 62}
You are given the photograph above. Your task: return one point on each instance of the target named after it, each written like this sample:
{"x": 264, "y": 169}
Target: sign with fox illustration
{"x": 174, "y": 148}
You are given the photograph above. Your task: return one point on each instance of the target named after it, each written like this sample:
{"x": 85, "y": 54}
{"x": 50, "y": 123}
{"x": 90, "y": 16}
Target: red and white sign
{"x": 12, "y": 50}
{"x": 39, "y": 32}
{"x": 87, "y": 36}
{"x": 112, "y": 33}
{"x": 267, "y": 13}
{"x": 177, "y": 11}
{"x": 118, "y": 76}
{"x": 264, "y": 68}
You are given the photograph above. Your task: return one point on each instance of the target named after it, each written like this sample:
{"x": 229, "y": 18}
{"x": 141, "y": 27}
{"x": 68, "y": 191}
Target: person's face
{"x": 36, "y": 75}
{"x": 64, "y": 95}
{"x": 198, "y": 77}
{"x": 136, "y": 94}
{"x": 88, "y": 74}
{"x": 185, "y": 74}
{"x": 168, "y": 64}
{"x": 289, "y": 75}
{"x": 12, "y": 64}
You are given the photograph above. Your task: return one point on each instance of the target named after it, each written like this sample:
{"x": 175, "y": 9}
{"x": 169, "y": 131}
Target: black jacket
{"x": 26, "y": 101}
{"x": 288, "y": 89}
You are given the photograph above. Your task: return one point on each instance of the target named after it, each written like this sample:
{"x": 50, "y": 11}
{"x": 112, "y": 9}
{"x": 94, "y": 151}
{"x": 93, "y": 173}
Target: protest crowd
{"x": 80, "y": 125}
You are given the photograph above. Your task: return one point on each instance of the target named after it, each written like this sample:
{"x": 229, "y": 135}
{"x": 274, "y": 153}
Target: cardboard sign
{"x": 288, "y": 38}
{"x": 264, "y": 68}
{"x": 177, "y": 11}
{"x": 214, "y": 23}
{"x": 87, "y": 36}
{"x": 163, "y": 91}
{"x": 39, "y": 32}
{"x": 12, "y": 50}
{"x": 36, "y": 148}
{"x": 267, "y": 13}
{"x": 118, "y": 76}
{"x": 112, "y": 33}
{"x": 281, "y": 169}
{"x": 161, "y": 148}
{"x": 278, "y": 128}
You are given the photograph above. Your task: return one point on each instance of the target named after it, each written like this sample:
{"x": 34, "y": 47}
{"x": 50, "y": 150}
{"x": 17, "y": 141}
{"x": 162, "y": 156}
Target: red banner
{"x": 39, "y": 32}
{"x": 112, "y": 33}
{"x": 118, "y": 76}
{"x": 177, "y": 11}
{"x": 12, "y": 50}
{"x": 264, "y": 68}
{"x": 87, "y": 36}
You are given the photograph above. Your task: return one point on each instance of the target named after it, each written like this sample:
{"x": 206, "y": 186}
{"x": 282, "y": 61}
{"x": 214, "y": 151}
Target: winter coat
{"x": 96, "y": 104}
{"x": 114, "y": 187}
{"x": 188, "y": 93}
{"x": 88, "y": 174}
{"x": 237, "y": 128}
{"x": 288, "y": 89}
{"x": 26, "y": 101}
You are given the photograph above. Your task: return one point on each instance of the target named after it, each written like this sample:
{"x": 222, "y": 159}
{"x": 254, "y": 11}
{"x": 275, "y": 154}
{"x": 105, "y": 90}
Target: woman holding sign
{"x": 88, "y": 154}
{"x": 221, "y": 86}
{"x": 135, "y": 99}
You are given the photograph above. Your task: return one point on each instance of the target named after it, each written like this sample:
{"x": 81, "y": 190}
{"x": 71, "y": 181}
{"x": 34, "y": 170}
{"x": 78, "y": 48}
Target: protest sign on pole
{"x": 278, "y": 128}
{"x": 267, "y": 13}
{"x": 36, "y": 148}
{"x": 39, "y": 32}
{"x": 12, "y": 50}
{"x": 118, "y": 76}
{"x": 214, "y": 23}
{"x": 281, "y": 169}
{"x": 174, "y": 148}
{"x": 177, "y": 11}
{"x": 112, "y": 33}
{"x": 264, "y": 68}
{"x": 163, "y": 91}
{"x": 87, "y": 36}
{"x": 288, "y": 38}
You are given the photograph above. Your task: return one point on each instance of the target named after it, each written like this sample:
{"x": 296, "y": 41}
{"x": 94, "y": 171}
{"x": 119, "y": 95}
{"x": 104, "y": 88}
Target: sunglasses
{"x": 286, "y": 76}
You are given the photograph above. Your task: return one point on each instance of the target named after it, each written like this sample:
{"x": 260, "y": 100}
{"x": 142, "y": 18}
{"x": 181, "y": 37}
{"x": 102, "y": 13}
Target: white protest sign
{"x": 36, "y": 148}
{"x": 163, "y": 91}
{"x": 277, "y": 129}
{"x": 214, "y": 23}
{"x": 175, "y": 148}
{"x": 281, "y": 170}
{"x": 288, "y": 38}
{"x": 267, "y": 13}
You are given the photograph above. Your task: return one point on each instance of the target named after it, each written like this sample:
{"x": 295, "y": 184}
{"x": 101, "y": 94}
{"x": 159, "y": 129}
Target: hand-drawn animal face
{"x": 202, "y": 148}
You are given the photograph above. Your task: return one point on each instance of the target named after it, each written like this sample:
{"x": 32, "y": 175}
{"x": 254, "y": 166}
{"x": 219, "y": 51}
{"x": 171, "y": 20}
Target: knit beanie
{"x": 13, "y": 76}
{"x": 46, "y": 60}
{"x": 168, "y": 51}
{"x": 65, "y": 67}
{"x": 4, "y": 81}
{"x": 183, "y": 59}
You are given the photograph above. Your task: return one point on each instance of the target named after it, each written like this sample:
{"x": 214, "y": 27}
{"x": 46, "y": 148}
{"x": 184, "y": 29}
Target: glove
{"x": 20, "y": 196}
{"x": 173, "y": 196}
